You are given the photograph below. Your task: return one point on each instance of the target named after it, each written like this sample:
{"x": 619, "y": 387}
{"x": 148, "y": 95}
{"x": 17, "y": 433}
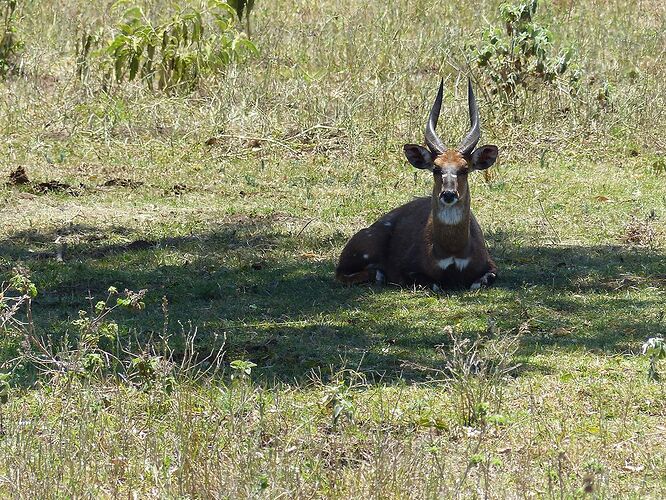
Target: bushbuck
{"x": 433, "y": 241}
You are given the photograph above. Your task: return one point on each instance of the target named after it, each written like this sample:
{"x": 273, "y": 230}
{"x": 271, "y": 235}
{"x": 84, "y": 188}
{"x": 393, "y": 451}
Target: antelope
{"x": 432, "y": 241}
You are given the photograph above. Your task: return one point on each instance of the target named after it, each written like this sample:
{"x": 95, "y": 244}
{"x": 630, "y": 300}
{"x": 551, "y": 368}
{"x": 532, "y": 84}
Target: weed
{"x": 655, "y": 349}
{"x": 242, "y": 369}
{"x": 337, "y": 401}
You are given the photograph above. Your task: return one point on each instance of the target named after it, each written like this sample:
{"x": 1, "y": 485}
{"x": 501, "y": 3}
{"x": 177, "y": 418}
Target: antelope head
{"x": 451, "y": 166}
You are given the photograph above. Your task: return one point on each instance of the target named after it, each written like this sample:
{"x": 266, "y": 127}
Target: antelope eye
{"x": 463, "y": 171}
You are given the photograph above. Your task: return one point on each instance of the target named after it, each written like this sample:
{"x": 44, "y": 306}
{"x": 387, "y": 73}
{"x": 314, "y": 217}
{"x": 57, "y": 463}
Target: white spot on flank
{"x": 366, "y": 256}
{"x": 449, "y": 261}
{"x": 379, "y": 277}
{"x": 387, "y": 223}
{"x": 450, "y": 215}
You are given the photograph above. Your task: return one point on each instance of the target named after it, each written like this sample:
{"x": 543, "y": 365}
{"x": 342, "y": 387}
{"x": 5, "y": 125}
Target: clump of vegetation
{"x": 92, "y": 349}
{"x": 242, "y": 369}
{"x": 338, "y": 398}
{"x": 521, "y": 55}
{"x": 655, "y": 349}
{"x": 199, "y": 39}
{"x": 95, "y": 332}
{"x": 476, "y": 370}
{"x": 640, "y": 231}
{"x": 9, "y": 44}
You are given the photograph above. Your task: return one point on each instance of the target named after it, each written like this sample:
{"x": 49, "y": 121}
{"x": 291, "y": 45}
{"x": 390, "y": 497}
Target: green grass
{"x": 242, "y": 238}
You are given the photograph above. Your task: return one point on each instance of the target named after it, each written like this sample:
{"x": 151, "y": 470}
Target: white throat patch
{"x": 450, "y": 215}
{"x": 449, "y": 261}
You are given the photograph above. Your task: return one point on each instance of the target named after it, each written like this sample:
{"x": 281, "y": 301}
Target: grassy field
{"x": 234, "y": 201}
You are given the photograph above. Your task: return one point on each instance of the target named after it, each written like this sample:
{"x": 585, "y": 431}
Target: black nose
{"x": 448, "y": 196}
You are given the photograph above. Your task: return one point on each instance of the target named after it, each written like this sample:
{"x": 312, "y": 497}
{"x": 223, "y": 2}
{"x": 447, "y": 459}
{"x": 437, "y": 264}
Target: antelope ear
{"x": 418, "y": 156}
{"x": 484, "y": 157}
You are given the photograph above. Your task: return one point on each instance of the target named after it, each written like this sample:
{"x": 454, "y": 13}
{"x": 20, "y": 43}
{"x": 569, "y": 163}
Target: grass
{"x": 234, "y": 203}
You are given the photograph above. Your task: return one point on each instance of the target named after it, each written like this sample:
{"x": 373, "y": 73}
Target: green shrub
{"x": 521, "y": 55}
{"x": 199, "y": 39}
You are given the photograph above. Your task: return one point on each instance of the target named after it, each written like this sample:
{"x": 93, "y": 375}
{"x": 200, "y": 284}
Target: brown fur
{"x": 407, "y": 243}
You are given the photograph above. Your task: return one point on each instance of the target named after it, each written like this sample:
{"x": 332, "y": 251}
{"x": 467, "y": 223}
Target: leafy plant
{"x": 96, "y": 325}
{"x": 145, "y": 368}
{"x": 521, "y": 54}
{"x": 241, "y": 369}
{"x": 655, "y": 349}
{"x": 92, "y": 327}
{"x": 9, "y": 44}
{"x": 16, "y": 308}
{"x": 338, "y": 395}
{"x": 21, "y": 283}
{"x": 198, "y": 40}
{"x": 337, "y": 399}
{"x": 96, "y": 350}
